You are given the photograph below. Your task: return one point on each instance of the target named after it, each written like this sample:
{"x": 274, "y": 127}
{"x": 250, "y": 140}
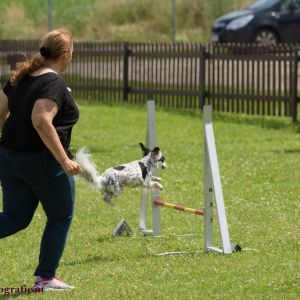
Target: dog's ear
{"x": 145, "y": 150}
{"x": 155, "y": 151}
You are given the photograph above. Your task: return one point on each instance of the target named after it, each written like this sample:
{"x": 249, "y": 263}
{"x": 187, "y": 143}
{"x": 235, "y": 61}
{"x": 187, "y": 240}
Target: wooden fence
{"x": 233, "y": 78}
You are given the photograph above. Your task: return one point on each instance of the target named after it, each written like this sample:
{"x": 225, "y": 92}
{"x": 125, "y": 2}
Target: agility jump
{"x": 212, "y": 187}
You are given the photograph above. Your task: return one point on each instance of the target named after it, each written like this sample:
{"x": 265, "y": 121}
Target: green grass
{"x": 259, "y": 161}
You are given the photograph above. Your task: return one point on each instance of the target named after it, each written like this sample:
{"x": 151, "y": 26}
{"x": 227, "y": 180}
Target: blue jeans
{"x": 26, "y": 179}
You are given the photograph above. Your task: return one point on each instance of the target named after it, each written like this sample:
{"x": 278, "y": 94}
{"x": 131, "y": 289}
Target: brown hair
{"x": 53, "y": 45}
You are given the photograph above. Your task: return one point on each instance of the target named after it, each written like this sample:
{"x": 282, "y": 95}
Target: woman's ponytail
{"x": 25, "y": 68}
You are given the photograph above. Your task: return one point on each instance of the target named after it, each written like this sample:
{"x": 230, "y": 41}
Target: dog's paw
{"x": 108, "y": 200}
{"x": 155, "y": 178}
{"x": 110, "y": 203}
{"x": 158, "y": 186}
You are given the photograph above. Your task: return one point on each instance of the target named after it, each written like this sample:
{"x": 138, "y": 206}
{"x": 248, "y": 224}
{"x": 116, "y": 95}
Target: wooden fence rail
{"x": 233, "y": 78}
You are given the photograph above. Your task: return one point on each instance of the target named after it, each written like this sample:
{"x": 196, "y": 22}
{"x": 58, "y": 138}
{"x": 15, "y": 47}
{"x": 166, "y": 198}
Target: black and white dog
{"x": 134, "y": 174}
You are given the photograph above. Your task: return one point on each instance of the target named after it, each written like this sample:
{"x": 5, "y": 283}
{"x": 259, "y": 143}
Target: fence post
{"x": 294, "y": 85}
{"x": 202, "y": 77}
{"x": 125, "y": 71}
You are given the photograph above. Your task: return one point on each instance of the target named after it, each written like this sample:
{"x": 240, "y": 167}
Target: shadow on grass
{"x": 141, "y": 239}
{"x": 291, "y": 151}
{"x": 90, "y": 259}
{"x": 104, "y": 238}
{"x": 288, "y": 151}
{"x": 269, "y": 122}
{"x": 100, "y": 258}
{"x": 260, "y": 121}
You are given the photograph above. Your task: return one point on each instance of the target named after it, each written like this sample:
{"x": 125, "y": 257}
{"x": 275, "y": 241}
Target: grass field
{"x": 259, "y": 161}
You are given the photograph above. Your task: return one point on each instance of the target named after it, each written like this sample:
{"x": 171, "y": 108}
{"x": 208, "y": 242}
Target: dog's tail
{"x": 89, "y": 172}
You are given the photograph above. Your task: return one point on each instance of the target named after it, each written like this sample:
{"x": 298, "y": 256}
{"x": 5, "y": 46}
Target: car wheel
{"x": 266, "y": 37}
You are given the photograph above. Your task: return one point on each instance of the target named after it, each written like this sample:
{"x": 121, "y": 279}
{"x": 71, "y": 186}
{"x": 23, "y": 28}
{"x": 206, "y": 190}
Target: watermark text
{"x": 20, "y": 290}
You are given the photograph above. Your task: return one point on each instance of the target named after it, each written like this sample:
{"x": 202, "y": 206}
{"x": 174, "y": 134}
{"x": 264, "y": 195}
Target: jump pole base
{"x": 176, "y": 253}
{"x": 148, "y": 232}
{"x": 234, "y": 248}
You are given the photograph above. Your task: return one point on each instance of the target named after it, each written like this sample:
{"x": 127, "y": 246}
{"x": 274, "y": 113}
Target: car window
{"x": 286, "y": 4}
{"x": 296, "y": 3}
{"x": 263, "y": 4}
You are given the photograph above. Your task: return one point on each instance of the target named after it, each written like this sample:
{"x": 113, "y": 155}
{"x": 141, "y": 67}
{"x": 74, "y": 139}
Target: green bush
{"x": 132, "y": 20}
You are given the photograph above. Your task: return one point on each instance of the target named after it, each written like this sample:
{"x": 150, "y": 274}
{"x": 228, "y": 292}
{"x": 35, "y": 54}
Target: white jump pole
{"x": 150, "y": 143}
{"x": 212, "y": 183}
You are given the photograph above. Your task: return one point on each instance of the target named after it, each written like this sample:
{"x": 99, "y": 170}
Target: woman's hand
{"x": 71, "y": 167}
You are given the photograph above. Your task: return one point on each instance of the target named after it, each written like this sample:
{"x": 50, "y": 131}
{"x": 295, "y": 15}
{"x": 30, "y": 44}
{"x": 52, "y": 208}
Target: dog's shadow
{"x": 90, "y": 259}
{"x": 100, "y": 258}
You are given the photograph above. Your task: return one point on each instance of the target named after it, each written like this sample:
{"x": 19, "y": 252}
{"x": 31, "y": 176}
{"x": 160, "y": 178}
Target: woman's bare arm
{"x": 43, "y": 113}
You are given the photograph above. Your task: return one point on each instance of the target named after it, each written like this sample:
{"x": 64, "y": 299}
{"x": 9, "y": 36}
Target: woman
{"x": 37, "y": 114}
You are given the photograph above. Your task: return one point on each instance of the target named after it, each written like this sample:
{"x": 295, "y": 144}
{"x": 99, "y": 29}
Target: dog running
{"x": 133, "y": 174}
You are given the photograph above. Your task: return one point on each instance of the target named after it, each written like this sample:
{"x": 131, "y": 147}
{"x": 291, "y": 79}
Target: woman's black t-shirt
{"x": 18, "y": 132}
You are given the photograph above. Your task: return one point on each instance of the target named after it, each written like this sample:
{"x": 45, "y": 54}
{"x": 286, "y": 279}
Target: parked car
{"x": 266, "y": 22}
